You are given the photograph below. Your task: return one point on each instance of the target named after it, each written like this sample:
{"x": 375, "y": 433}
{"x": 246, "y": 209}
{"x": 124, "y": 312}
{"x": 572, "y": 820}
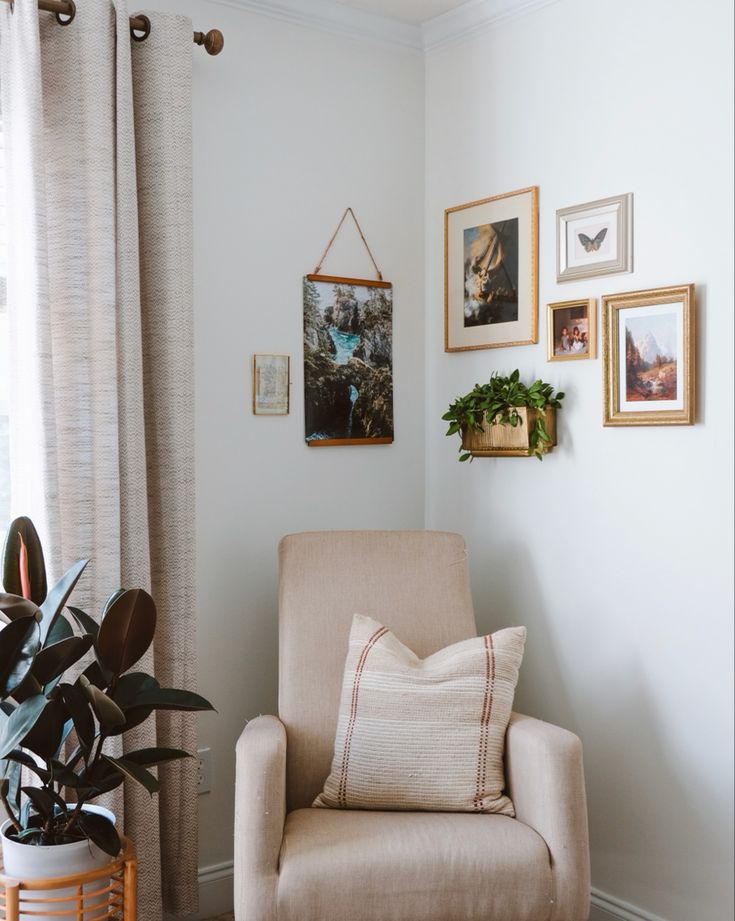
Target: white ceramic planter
{"x": 31, "y": 862}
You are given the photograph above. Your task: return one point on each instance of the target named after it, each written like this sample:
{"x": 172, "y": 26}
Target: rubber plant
{"x": 497, "y": 402}
{"x": 67, "y": 688}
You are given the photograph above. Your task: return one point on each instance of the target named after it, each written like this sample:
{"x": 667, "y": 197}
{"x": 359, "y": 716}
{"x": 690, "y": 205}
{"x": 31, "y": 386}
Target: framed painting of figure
{"x": 491, "y": 272}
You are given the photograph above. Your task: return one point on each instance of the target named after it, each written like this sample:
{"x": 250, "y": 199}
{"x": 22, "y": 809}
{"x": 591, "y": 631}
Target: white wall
{"x": 290, "y": 126}
{"x": 616, "y": 551}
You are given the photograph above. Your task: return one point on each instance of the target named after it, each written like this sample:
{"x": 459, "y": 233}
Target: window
{"x": 4, "y": 350}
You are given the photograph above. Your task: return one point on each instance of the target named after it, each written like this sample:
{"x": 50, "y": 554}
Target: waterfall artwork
{"x": 348, "y": 361}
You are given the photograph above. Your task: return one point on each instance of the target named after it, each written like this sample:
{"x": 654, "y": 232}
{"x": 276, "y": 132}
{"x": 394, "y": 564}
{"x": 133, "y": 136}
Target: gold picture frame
{"x": 271, "y": 384}
{"x": 491, "y": 272}
{"x": 649, "y": 357}
{"x": 571, "y": 330}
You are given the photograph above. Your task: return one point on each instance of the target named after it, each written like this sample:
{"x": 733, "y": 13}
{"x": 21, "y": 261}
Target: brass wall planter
{"x": 508, "y": 440}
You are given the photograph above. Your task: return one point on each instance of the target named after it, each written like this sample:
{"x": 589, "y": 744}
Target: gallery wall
{"x": 615, "y": 551}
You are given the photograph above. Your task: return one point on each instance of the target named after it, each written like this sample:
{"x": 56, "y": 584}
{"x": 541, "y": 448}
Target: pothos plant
{"x": 67, "y": 689}
{"x": 498, "y": 402}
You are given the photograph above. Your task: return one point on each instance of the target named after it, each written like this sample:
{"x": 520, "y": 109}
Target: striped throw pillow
{"x": 423, "y": 734}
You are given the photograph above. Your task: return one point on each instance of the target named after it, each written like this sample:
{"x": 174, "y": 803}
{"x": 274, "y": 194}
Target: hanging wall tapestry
{"x": 348, "y": 361}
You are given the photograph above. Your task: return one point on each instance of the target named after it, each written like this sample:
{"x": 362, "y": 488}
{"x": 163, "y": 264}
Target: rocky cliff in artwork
{"x": 348, "y": 380}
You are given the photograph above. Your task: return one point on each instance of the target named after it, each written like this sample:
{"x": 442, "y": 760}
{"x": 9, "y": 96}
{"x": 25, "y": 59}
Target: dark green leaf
{"x": 58, "y": 596}
{"x": 67, "y": 778}
{"x": 135, "y": 772}
{"x": 87, "y": 623}
{"x": 22, "y": 758}
{"x": 19, "y": 642}
{"x": 54, "y": 660}
{"x": 20, "y": 723}
{"x": 77, "y": 703}
{"x": 100, "y": 830}
{"x": 42, "y": 800}
{"x": 126, "y": 631}
{"x": 107, "y": 711}
{"x": 24, "y": 528}
{"x": 16, "y": 606}
{"x": 46, "y": 734}
{"x": 172, "y": 699}
{"x": 61, "y": 630}
{"x": 130, "y": 686}
{"x": 111, "y": 600}
{"x": 149, "y": 757}
{"x": 96, "y": 675}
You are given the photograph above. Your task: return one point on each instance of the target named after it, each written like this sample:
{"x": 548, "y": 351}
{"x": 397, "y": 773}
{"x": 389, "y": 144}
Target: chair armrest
{"x": 260, "y": 811}
{"x": 545, "y": 780}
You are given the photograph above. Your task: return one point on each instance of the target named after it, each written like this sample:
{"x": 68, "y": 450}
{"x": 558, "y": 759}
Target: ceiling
{"x": 413, "y": 11}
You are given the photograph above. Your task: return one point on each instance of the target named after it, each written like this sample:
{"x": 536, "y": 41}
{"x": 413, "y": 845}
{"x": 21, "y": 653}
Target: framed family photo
{"x": 649, "y": 355}
{"x": 571, "y": 329}
{"x": 491, "y": 272}
{"x": 595, "y": 238}
{"x": 271, "y": 378}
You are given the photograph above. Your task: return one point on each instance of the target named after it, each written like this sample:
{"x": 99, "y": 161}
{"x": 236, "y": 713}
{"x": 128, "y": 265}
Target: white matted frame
{"x": 491, "y": 272}
{"x": 595, "y": 238}
{"x": 271, "y": 385}
{"x": 649, "y": 357}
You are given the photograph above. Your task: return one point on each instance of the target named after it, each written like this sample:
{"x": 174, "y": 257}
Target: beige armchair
{"x": 294, "y": 863}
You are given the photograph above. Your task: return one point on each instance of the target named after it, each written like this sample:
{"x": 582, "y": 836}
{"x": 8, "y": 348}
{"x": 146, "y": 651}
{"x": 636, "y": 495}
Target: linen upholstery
{"x": 355, "y": 865}
{"x": 325, "y": 577}
{"x": 321, "y": 870}
{"x": 423, "y": 733}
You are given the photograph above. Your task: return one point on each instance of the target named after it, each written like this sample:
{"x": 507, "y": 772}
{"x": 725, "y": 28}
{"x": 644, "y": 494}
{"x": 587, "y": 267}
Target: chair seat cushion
{"x": 345, "y": 865}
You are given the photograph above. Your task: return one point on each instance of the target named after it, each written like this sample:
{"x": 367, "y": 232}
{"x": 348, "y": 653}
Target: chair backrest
{"x": 415, "y": 582}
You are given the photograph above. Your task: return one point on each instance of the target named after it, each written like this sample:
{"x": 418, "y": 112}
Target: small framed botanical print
{"x": 491, "y": 272}
{"x": 595, "y": 238}
{"x": 571, "y": 329}
{"x": 648, "y": 360}
{"x": 271, "y": 385}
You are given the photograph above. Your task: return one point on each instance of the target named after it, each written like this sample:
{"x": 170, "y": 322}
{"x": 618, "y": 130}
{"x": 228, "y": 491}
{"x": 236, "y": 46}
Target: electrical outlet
{"x": 204, "y": 770}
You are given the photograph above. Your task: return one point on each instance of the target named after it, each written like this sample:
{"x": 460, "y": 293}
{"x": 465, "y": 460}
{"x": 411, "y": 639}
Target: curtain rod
{"x": 213, "y": 41}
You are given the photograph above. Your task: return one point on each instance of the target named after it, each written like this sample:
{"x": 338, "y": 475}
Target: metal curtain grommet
{"x": 146, "y": 28}
{"x": 71, "y": 13}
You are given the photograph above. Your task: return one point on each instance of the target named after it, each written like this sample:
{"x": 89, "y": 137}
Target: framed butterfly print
{"x": 595, "y": 238}
{"x": 491, "y": 272}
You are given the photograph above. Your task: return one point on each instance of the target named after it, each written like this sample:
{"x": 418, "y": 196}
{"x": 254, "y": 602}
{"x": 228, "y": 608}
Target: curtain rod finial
{"x": 213, "y": 41}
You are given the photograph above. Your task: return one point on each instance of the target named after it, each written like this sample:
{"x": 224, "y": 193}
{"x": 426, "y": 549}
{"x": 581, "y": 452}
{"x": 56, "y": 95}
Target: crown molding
{"x": 328, "y": 16}
{"x": 452, "y": 28}
{"x": 473, "y": 17}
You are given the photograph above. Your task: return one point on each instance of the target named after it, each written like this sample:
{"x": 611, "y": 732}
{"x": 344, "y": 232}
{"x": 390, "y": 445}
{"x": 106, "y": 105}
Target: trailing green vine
{"x": 498, "y": 401}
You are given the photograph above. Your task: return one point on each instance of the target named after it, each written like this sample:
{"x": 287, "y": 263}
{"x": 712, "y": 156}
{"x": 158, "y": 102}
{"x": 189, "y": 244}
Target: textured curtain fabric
{"x": 98, "y": 133}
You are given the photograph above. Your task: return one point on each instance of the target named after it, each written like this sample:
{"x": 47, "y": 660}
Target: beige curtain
{"x": 98, "y": 133}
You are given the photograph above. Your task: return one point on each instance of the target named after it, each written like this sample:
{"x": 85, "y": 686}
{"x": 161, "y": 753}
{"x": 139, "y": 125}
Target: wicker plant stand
{"x": 118, "y": 880}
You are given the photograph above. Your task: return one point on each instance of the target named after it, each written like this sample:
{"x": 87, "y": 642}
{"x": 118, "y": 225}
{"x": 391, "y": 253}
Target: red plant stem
{"x": 25, "y": 579}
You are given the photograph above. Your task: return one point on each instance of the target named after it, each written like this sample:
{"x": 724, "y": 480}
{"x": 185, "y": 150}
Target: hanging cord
{"x": 362, "y": 237}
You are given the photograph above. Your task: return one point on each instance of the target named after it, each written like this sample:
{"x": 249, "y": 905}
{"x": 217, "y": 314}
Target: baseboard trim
{"x": 606, "y": 907}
